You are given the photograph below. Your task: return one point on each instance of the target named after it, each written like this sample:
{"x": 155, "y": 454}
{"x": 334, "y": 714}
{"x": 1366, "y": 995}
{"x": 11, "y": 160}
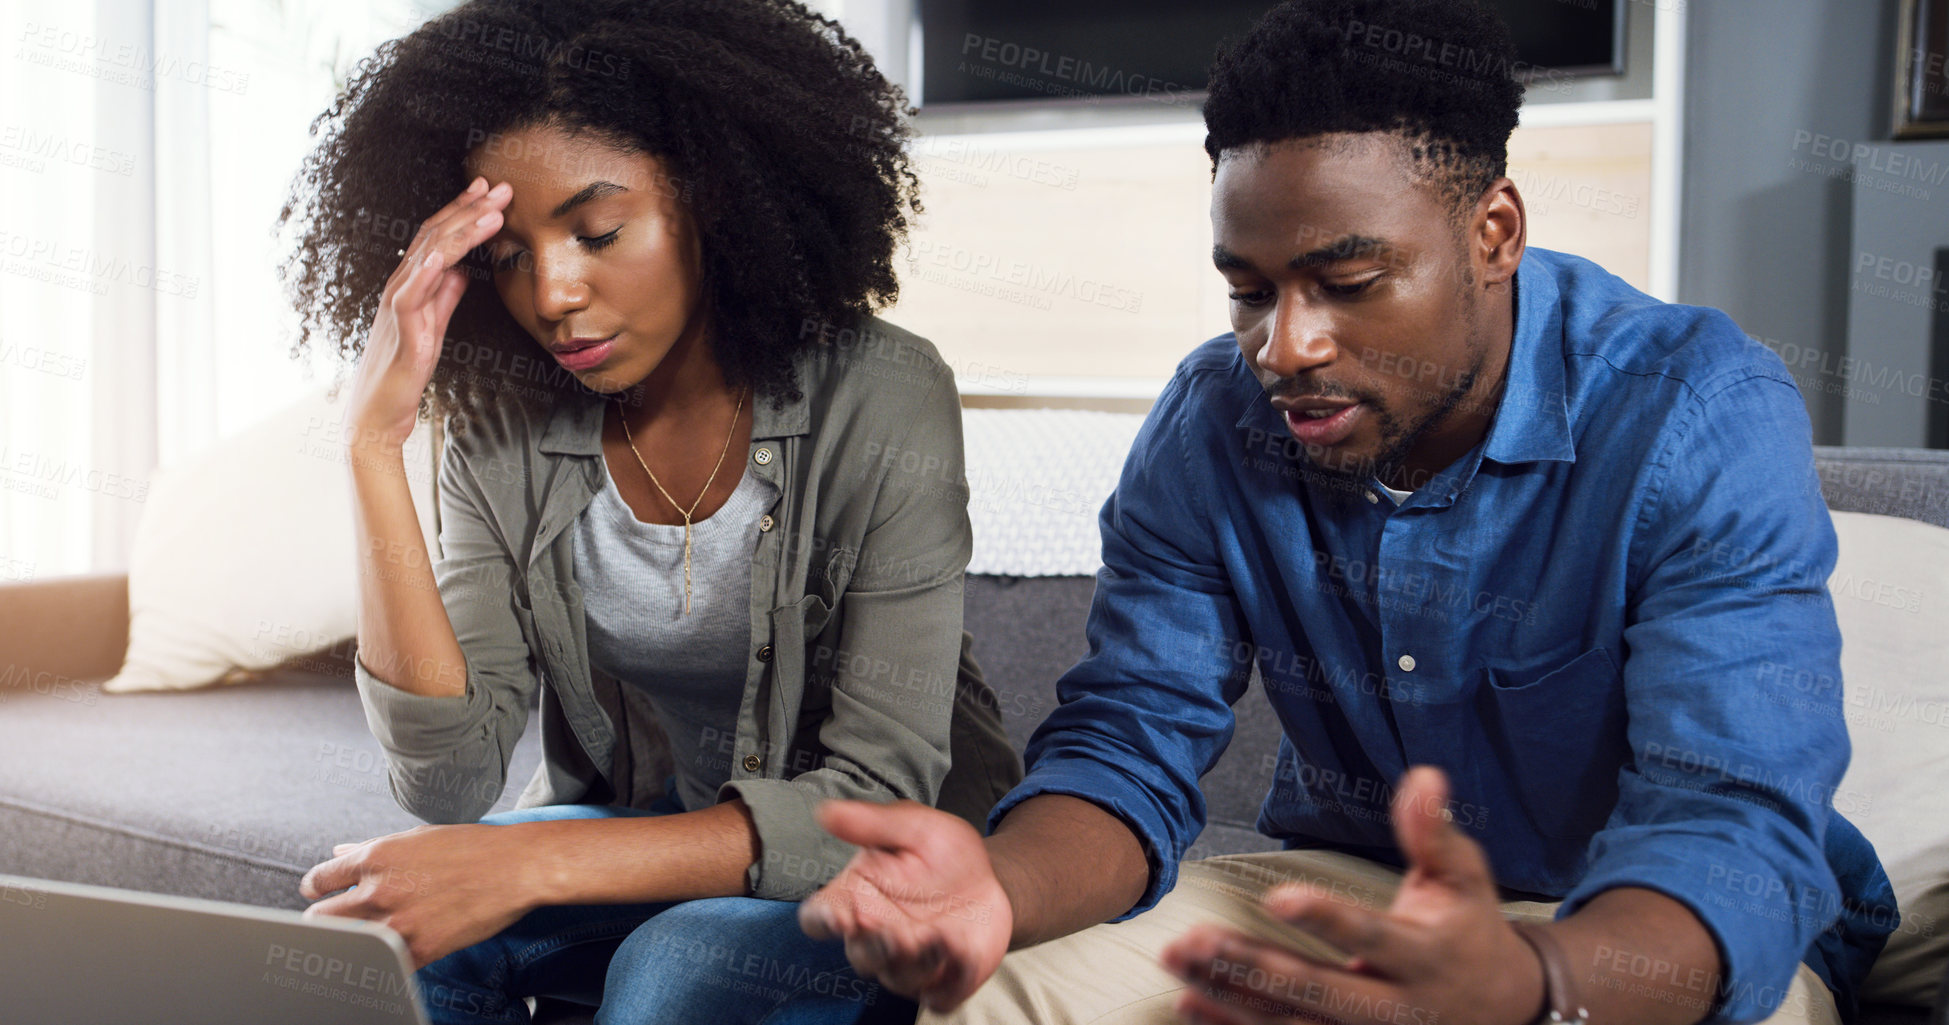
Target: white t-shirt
{"x": 692, "y": 666}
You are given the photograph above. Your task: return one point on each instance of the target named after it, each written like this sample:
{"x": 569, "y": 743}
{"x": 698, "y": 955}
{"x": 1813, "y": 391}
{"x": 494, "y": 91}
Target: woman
{"x": 698, "y": 503}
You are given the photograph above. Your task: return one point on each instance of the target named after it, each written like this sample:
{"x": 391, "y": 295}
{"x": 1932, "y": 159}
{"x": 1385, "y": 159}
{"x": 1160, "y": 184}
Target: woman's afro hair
{"x": 788, "y": 146}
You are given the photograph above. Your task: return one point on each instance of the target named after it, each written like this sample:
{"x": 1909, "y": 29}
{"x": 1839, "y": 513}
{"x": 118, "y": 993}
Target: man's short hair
{"x": 1442, "y": 74}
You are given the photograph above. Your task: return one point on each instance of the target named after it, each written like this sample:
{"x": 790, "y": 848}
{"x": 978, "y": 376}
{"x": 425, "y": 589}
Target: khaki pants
{"x": 1110, "y": 975}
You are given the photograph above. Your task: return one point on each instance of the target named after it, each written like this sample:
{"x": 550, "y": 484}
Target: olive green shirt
{"x": 859, "y": 680}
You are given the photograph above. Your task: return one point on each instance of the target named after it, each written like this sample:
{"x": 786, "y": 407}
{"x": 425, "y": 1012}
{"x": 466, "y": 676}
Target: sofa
{"x": 233, "y": 792}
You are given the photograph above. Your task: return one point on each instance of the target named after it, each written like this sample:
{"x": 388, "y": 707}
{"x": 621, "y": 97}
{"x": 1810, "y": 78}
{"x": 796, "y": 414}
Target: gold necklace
{"x": 623, "y": 416}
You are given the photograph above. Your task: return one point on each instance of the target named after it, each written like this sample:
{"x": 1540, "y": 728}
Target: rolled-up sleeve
{"x": 1726, "y": 802}
{"x": 1148, "y": 710}
{"x": 896, "y": 661}
{"x": 448, "y": 756}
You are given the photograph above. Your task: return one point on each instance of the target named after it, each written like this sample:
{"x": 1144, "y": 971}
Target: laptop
{"x": 72, "y": 954}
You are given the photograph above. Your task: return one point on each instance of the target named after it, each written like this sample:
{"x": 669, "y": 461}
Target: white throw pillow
{"x": 1891, "y": 595}
{"x": 244, "y": 553}
{"x": 1036, "y": 480}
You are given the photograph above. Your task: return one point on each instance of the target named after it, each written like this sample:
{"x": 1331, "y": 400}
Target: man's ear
{"x": 1499, "y": 232}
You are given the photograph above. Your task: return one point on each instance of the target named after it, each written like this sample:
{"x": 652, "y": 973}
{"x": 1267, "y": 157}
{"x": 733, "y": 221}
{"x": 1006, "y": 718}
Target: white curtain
{"x": 68, "y": 282}
{"x": 144, "y": 151}
{"x": 295, "y": 55}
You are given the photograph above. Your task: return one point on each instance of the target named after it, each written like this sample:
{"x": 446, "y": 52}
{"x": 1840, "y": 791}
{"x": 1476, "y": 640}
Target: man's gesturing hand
{"x": 919, "y": 906}
{"x": 1442, "y": 952}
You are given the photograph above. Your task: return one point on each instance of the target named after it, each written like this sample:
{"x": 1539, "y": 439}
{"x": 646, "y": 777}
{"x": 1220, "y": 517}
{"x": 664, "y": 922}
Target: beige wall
{"x": 1588, "y": 191}
{"x": 1085, "y": 269}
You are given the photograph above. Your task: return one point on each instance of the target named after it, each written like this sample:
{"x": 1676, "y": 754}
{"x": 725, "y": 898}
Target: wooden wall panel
{"x": 1074, "y": 269}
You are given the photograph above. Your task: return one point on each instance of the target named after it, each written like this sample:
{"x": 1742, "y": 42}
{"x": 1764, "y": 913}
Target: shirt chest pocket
{"x": 827, "y": 579}
{"x": 1559, "y": 736}
{"x": 810, "y": 613}
{"x": 793, "y": 626}
{"x": 796, "y": 627}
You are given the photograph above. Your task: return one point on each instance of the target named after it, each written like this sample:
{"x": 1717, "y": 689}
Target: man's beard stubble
{"x": 1353, "y": 473}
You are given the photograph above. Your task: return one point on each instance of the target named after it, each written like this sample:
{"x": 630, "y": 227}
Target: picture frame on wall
{"x": 1922, "y": 80}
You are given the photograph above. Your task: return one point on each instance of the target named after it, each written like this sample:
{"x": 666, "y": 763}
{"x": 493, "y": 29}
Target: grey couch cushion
{"x": 1029, "y": 630}
{"x": 229, "y": 794}
{"x": 1909, "y": 482}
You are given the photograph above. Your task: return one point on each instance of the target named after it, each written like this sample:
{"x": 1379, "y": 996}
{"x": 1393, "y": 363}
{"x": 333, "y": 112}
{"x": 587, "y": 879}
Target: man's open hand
{"x": 919, "y": 906}
{"x": 1442, "y": 951}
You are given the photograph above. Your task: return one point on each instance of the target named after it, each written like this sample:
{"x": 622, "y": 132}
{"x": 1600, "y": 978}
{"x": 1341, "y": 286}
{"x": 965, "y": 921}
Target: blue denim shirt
{"x": 1592, "y": 622}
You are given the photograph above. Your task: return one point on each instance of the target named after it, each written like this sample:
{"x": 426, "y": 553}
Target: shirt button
{"x": 765, "y": 522}
{"x": 1372, "y": 499}
{"x": 764, "y": 653}
{"x": 1406, "y": 662}
{"x": 762, "y": 457}
{"x": 751, "y": 763}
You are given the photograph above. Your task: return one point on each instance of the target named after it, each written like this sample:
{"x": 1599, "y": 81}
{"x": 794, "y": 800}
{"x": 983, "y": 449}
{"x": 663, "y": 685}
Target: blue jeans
{"x": 721, "y": 961}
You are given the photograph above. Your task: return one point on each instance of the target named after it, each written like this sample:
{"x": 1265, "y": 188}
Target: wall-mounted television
{"x": 1014, "y": 51}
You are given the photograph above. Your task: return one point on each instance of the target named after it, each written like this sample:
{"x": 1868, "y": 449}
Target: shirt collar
{"x": 1532, "y": 422}
{"x": 575, "y": 421}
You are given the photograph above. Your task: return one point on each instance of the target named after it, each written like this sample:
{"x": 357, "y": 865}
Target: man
{"x": 1516, "y": 550}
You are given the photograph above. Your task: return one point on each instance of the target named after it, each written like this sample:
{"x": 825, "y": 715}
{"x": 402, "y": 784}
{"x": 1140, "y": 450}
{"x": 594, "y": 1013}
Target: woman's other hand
{"x": 442, "y": 888}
